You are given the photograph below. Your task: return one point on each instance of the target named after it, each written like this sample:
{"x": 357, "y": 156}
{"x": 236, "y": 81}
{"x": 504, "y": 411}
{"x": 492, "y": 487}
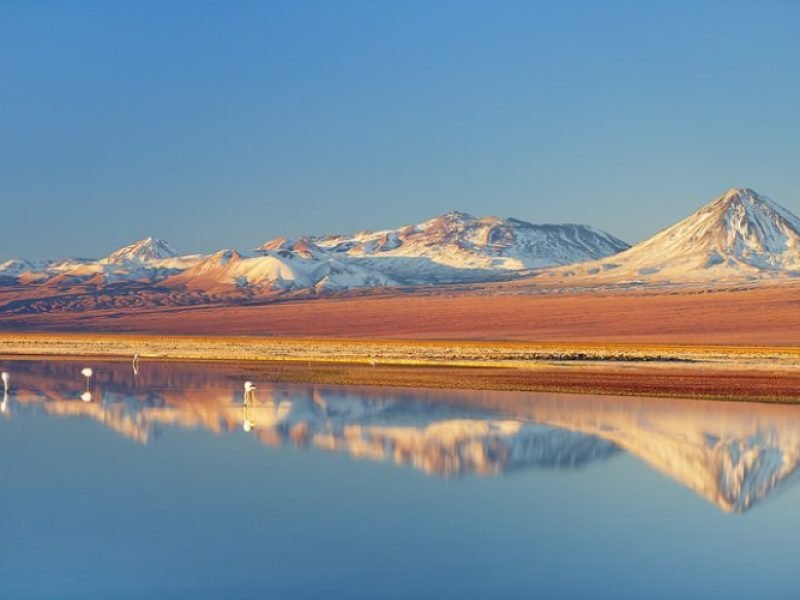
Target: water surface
{"x": 166, "y": 483}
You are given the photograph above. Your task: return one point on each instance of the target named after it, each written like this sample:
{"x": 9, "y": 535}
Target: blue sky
{"x": 223, "y": 124}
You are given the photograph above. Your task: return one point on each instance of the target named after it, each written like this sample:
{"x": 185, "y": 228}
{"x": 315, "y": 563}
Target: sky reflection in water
{"x": 155, "y": 487}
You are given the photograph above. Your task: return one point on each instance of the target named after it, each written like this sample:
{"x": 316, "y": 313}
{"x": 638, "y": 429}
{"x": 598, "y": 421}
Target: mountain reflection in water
{"x": 732, "y": 454}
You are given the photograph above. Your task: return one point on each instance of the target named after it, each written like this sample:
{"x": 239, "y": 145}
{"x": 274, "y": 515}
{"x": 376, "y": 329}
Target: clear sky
{"x": 223, "y": 124}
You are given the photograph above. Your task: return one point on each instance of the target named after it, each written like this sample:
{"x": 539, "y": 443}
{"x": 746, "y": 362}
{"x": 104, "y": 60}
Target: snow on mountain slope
{"x": 147, "y": 250}
{"x": 16, "y": 266}
{"x": 148, "y": 260}
{"x": 739, "y": 236}
{"x": 452, "y": 248}
{"x": 304, "y": 247}
{"x": 276, "y": 270}
{"x": 459, "y": 247}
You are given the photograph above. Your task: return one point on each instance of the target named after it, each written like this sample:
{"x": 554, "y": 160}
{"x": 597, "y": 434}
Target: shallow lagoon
{"x": 166, "y": 484}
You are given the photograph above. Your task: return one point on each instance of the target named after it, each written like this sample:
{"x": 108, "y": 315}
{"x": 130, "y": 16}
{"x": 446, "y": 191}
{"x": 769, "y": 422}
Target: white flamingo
{"x": 136, "y": 364}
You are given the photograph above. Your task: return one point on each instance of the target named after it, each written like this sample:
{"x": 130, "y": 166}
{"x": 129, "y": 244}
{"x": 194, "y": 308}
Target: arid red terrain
{"x": 761, "y": 315}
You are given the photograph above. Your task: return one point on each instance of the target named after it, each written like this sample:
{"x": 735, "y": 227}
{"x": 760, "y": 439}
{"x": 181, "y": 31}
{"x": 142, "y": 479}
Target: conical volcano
{"x": 740, "y": 235}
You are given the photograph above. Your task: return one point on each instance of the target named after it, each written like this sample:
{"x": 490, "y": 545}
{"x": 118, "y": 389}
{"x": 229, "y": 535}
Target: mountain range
{"x": 741, "y": 236}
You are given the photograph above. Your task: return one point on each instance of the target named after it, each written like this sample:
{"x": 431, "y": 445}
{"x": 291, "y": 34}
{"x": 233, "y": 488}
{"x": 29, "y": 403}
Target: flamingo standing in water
{"x": 135, "y": 364}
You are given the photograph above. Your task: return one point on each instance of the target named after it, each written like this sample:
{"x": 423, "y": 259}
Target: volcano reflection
{"x": 733, "y": 455}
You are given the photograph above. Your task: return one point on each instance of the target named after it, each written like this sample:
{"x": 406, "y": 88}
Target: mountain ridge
{"x": 739, "y": 237}
{"x": 452, "y": 248}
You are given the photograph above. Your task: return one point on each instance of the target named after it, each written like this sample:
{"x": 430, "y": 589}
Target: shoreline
{"x": 728, "y": 373}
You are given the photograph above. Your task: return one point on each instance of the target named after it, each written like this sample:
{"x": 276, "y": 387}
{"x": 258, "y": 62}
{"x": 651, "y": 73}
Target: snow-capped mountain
{"x": 147, "y": 260}
{"x": 17, "y": 266}
{"x": 739, "y": 236}
{"x": 149, "y": 249}
{"x": 458, "y": 247}
{"x": 453, "y": 248}
{"x": 276, "y": 271}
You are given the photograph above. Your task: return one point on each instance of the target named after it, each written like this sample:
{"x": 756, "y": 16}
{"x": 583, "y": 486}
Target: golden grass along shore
{"x": 389, "y": 352}
{"x": 716, "y": 372}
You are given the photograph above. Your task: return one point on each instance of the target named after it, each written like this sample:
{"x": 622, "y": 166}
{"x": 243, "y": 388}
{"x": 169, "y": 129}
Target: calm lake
{"x": 166, "y": 483}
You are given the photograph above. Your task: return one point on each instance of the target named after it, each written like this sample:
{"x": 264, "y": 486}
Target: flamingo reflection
{"x": 6, "y": 378}
{"x": 248, "y": 424}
